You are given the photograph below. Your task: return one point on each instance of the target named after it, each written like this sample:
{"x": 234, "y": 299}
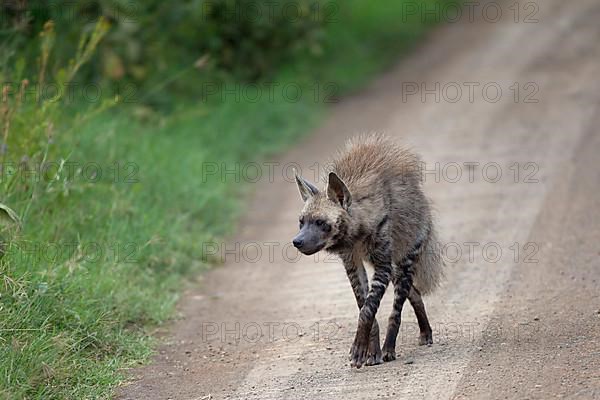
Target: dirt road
{"x": 514, "y": 178}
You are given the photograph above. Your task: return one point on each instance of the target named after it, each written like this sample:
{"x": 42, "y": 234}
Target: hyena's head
{"x": 324, "y": 218}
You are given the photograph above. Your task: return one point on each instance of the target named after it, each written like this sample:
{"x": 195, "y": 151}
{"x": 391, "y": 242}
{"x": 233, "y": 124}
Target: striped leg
{"x": 381, "y": 260}
{"x": 359, "y": 282}
{"x": 403, "y": 279}
{"x": 416, "y": 301}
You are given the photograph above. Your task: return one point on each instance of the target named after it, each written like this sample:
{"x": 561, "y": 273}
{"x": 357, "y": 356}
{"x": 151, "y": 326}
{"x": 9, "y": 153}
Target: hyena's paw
{"x": 374, "y": 358}
{"x": 389, "y": 355}
{"x": 359, "y": 352}
{"x": 426, "y": 338}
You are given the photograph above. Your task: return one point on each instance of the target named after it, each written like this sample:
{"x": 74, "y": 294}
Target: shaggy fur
{"x": 373, "y": 209}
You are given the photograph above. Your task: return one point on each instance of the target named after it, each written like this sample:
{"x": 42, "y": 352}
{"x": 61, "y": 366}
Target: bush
{"x": 252, "y": 38}
{"x": 154, "y": 40}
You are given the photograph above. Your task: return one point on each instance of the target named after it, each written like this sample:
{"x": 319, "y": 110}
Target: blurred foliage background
{"x": 109, "y": 111}
{"x": 153, "y": 41}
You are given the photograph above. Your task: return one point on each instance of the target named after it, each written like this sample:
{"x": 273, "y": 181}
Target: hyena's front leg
{"x": 381, "y": 260}
{"x": 360, "y": 286}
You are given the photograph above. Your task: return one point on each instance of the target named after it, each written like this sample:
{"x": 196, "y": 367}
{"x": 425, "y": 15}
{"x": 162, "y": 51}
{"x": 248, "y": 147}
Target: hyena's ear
{"x": 338, "y": 192}
{"x": 306, "y": 188}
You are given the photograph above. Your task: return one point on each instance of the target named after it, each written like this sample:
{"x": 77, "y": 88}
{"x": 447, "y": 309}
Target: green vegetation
{"x": 110, "y": 207}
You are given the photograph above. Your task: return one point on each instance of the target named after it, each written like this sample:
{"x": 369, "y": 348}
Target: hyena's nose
{"x": 298, "y": 243}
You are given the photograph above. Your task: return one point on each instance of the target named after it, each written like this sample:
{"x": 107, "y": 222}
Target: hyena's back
{"x": 384, "y": 180}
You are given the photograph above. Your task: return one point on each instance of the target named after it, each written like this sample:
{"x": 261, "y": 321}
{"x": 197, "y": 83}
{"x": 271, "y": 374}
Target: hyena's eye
{"x": 301, "y": 222}
{"x": 324, "y": 226}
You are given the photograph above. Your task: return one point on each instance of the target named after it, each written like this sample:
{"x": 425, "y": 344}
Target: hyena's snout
{"x": 308, "y": 241}
{"x": 298, "y": 242}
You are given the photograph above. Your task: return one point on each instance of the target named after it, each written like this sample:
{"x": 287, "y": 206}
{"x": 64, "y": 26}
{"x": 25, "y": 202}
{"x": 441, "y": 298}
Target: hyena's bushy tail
{"x": 429, "y": 271}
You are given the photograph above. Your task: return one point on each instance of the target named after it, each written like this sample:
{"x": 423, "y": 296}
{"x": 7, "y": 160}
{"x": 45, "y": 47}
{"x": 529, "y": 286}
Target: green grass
{"x": 70, "y": 324}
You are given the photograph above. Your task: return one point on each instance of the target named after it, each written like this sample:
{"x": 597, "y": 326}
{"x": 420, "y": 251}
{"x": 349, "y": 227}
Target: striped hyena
{"x": 373, "y": 209}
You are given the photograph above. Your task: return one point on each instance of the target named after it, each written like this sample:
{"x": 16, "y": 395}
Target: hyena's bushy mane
{"x": 374, "y": 166}
{"x": 372, "y": 156}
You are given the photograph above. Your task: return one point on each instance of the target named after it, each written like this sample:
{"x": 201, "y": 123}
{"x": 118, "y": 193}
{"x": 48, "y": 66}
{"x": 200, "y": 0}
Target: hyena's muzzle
{"x": 310, "y": 239}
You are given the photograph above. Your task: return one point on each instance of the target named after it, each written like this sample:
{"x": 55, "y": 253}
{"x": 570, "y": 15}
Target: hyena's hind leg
{"x": 400, "y": 295}
{"x": 360, "y": 286}
{"x": 402, "y": 285}
{"x": 402, "y": 277}
{"x": 426, "y": 336}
